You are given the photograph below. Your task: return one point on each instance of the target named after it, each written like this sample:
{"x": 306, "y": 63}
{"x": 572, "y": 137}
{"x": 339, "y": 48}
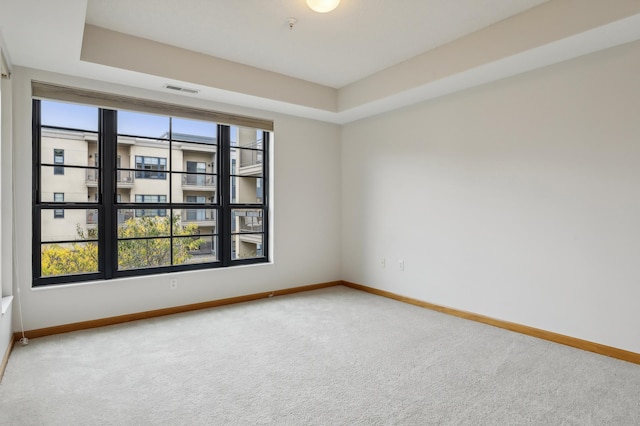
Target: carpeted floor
{"x": 335, "y": 356}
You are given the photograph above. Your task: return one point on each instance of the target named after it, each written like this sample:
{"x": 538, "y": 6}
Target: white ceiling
{"x": 364, "y": 58}
{"x": 357, "y": 39}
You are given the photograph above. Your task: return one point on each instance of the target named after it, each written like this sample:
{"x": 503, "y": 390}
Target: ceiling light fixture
{"x": 323, "y": 6}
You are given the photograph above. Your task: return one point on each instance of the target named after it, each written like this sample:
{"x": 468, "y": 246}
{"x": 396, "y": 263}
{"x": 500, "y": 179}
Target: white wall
{"x": 517, "y": 200}
{"x": 6, "y": 269}
{"x": 306, "y": 221}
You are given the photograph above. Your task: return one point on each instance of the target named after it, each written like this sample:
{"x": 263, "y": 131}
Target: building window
{"x": 58, "y": 197}
{"x": 196, "y": 175}
{"x": 152, "y": 167}
{"x": 58, "y": 158}
{"x": 197, "y": 201}
{"x": 151, "y": 199}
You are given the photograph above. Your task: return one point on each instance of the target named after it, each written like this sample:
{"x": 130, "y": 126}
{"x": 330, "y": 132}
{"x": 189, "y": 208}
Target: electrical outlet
{"x": 401, "y": 265}
{"x": 173, "y": 283}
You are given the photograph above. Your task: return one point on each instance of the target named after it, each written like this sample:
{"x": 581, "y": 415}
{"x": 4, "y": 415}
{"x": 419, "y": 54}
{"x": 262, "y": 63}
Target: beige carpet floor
{"x": 335, "y": 356}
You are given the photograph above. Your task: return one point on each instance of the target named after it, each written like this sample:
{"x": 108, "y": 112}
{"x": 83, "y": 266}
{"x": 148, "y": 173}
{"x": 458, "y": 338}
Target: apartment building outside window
{"x": 146, "y": 193}
{"x": 58, "y": 197}
{"x": 151, "y": 199}
{"x": 153, "y": 167}
{"x": 58, "y": 158}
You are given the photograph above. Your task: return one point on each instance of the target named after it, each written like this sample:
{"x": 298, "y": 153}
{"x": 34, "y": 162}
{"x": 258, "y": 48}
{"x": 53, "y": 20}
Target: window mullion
{"x": 36, "y": 252}
{"x": 168, "y": 169}
{"x": 224, "y": 182}
{"x": 108, "y": 226}
{"x": 265, "y": 194}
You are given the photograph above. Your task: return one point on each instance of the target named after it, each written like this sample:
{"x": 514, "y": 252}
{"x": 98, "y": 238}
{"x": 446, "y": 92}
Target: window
{"x": 58, "y": 158}
{"x": 195, "y": 214}
{"x": 197, "y": 200}
{"x": 58, "y": 197}
{"x": 196, "y": 174}
{"x": 153, "y": 167}
{"x": 151, "y": 199}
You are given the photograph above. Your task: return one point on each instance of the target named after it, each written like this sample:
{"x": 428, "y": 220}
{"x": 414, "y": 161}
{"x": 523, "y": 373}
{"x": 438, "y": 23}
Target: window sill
{"x": 6, "y": 302}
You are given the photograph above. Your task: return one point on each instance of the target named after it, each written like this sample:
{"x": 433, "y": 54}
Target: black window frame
{"x": 107, "y": 205}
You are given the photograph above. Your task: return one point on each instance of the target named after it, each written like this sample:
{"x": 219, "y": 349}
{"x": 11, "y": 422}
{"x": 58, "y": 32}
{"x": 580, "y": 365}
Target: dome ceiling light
{"x": 323, "y": 6}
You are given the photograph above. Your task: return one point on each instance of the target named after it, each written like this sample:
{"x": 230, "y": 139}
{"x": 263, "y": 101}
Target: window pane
{"x": 247, "y": 220}
{"x": 196, "y": 189}
{"x": 73, "y": 116}
{"x": 68, "y": 148}
{"x": 63, "y": 224}
{"x": 195, "y": 221}
{"x": 143, "y": 223}
{"x": 248, "y": 162}
{"x": 194, "y": 131}
{"x": 147, "y": 253}
{"x": 189, "y": 250}
{"x": 246, "y": 246}
{"x": 245, "y": 137}
{"x": 247, "y": 190}
{"x": 144, "y": 125}
{"x": 68, "y": 258}
{"x": 73, "y": 183}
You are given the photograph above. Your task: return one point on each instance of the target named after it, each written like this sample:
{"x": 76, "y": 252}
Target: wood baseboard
{"x": 518, "y": 328}
{"x": 84, "y": 325}
{"x": 5, "y": 359}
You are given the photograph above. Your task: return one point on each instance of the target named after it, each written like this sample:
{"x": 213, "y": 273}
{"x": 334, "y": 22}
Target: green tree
{"x": 142, "y": 242}
{"x": 155, "y": 249}
{"x": 74, "y": 258}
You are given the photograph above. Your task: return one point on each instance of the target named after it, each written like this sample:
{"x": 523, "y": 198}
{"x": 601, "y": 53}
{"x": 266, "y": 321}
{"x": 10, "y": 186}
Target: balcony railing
{"x": 92, "y": 217}
{"x": 91, "y": 178}
{"x": 198, "y": 180}
{"x": 197, "y": 216}
{"x": 203, "y": 217}
{"x": 123, "y": 216}
{"x": 248, "y": 225}
{"x": 124, "y": 178}
{"x": 205, "y": 249}
{"x": 250, "y": 158}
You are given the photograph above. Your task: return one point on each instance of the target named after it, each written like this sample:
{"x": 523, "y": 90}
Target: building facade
{"x": 143, "y": 179}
